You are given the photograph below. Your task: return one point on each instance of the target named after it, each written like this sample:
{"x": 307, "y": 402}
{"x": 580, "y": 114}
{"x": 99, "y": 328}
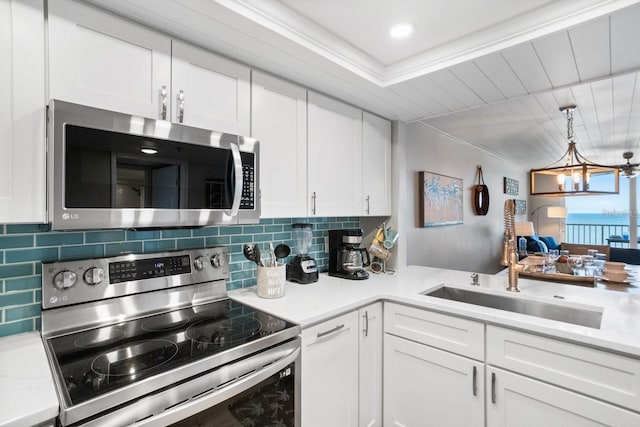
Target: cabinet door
{"x": 103, "y": 61}
{"x": 376, "y": 167}
{"x": 22, "y": 113}
{"x": 424, "y": 386}
{"x": 335, "y": 157}
{"x": 210, "y": 91}
{"x": 370, "y": 347}
{"x": 279, "y": 122}
{"x": 514, "y": 400}
{"x": 330, "y": 373}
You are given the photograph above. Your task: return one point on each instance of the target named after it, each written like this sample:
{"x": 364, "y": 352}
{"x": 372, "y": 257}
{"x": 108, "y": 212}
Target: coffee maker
{"x": 346, "y": 258}
{"x": 302, "y": 268}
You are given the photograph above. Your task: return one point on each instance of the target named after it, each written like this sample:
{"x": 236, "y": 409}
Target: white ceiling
{"x": 491, "y": 73}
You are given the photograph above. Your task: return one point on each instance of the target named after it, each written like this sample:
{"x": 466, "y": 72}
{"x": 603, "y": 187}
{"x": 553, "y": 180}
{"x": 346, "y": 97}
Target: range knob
{"x": 94, "y": 276}
{"x": 198, "y": 263}
{"x": 64, "y": 279}
{"x": 217, "y": 261}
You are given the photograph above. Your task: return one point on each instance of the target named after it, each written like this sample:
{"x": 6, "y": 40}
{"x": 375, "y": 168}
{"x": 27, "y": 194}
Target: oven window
{"x": 270, "y": 403}
{"x": 109, "y": 170}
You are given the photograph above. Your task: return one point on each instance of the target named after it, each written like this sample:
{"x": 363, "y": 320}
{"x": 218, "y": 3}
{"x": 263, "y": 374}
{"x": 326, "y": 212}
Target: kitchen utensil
{"x": 256, "y": 250}
{"x": 273, "y": 255}
{"x": 265, "y": 258}
{"x": 282, "y": 251}
{"x": 249, "y": 252}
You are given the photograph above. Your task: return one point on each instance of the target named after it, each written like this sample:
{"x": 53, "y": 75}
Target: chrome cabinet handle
{"x": 163, "y": 101}
{"x": 180, "y": 106}
{"x": 330, "y": 331}
{"x": 475, "y": 381}
{"x": 366, "y": 323}
{"x": 313, "y": 203}
{"x": 368, "y": 204}
{"x": 493, "y": 387}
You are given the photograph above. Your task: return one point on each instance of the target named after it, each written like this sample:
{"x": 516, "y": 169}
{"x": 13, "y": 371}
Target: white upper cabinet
{"x": 106, "y": 62}
{"x": 22, "y": 112}
{"x": 209, "y": 91}
{"x": 376, "y": 181}
{"x": 279, "y": 122}
{"x": 335, "y": 157}
{"x": 101, "y": 60}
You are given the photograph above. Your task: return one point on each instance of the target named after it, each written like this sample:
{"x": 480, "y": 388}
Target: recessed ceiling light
{"x": 402, "y": 30}
{"x": 149, "y": 150}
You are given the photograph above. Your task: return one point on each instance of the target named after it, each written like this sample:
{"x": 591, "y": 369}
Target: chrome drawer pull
{"x": 493, "y": 387}
{"x": 330, "y": 331}
{"x": 475, "y": 381}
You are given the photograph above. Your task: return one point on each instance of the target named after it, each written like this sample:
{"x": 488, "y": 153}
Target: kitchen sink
{"x": 561, "y": 313}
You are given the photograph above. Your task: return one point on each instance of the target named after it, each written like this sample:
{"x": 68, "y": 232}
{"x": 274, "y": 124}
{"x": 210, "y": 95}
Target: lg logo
{"x": 66, "y": 216}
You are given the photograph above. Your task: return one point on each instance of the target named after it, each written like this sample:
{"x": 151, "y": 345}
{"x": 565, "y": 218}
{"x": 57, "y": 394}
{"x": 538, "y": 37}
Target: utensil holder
{"x": 271, "y": 281}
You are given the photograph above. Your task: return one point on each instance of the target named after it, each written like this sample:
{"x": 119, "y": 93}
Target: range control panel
{"x": 126, "y": 271}
{"x": 78, "y": 281}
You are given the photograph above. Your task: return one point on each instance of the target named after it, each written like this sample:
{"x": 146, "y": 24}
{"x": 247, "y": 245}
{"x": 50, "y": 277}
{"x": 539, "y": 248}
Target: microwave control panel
{"x": 247, "y": 200}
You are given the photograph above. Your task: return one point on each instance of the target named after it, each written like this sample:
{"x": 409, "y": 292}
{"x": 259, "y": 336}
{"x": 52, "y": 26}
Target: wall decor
{"x": 440, "y": 200}
{"x": 511, "y": 186}
{"x": 480, "y": 195}
{"x": 521, "y": 207}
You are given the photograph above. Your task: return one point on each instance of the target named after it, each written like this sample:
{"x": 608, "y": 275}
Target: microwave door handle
{"x": 237, "y": 170}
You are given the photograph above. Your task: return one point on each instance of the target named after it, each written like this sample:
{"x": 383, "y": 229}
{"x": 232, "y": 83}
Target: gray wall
{"x": 475, "y": 245}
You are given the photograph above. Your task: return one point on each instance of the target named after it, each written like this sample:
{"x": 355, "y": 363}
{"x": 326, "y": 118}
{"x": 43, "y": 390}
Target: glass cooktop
{"x": 97, "y": 361}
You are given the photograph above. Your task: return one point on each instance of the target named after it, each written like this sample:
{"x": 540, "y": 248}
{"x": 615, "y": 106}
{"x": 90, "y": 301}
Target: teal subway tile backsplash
{"x": 23, "y": 247}
{"x": 16, "y": 241}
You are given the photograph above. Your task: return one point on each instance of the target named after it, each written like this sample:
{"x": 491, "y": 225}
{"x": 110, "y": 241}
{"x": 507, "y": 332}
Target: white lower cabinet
{"x": 525, "y": 380}
{"x": 330, "y": 373}
{"x": 370, "y": 368}
{"x": 424, "y": 386}
{"x": 515, "y": 400}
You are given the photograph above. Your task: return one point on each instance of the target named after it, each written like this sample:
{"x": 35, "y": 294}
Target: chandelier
{"x": 573, "y": 174}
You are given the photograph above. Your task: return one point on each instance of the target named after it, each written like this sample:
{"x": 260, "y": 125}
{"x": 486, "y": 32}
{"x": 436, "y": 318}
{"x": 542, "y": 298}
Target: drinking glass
{"x": 587, "y": 262}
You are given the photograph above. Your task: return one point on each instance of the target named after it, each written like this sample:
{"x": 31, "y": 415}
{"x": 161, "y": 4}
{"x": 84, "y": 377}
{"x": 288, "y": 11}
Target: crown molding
{"x": 538, "y": 23}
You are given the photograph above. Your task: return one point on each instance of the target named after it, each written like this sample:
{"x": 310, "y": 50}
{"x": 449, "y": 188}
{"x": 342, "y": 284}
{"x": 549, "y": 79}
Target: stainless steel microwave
{"x": 113, "y": 170}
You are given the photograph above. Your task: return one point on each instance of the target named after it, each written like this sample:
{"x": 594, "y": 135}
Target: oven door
{"x": 261, "y": 390}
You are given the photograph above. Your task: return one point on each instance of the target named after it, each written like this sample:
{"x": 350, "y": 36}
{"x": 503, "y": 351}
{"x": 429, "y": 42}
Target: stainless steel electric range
{"x": 152, "y": 339}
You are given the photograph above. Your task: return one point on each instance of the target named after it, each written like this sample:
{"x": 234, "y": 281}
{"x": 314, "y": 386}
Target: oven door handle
{"x": 199, "y": 404}
{"x": 237, "y": 171}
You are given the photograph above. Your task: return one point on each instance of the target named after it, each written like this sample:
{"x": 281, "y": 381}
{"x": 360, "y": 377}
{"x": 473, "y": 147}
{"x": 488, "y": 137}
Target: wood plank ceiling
{"x": 505, "y": 102}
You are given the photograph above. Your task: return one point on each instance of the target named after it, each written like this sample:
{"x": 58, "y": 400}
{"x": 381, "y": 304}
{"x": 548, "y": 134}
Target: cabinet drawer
{"x": 610, "y": 377}
{"x": 449, "y": 333}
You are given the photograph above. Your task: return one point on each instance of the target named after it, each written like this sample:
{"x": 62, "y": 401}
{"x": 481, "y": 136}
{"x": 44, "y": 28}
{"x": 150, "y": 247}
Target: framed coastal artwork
{"x": 440, "y": 200}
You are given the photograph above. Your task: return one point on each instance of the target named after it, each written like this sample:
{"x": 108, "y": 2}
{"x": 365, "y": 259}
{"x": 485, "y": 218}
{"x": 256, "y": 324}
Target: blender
{"x": 302, "y": 268}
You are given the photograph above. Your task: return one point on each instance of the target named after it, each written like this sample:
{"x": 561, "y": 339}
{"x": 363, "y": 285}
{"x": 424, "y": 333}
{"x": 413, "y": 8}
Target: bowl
{"x": 616, "y": 275}
{"x": 611, "y": 265}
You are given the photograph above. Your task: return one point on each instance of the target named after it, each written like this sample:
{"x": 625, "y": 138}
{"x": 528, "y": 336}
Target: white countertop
{"x": 26, "y": 385}
{"x": 331, "y": 296}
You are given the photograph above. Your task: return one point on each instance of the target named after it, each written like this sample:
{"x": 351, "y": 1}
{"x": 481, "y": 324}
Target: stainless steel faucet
{"x": 509, "y": 254}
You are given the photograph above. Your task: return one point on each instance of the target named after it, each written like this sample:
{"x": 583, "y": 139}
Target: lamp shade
{"x": 556, "y": 212}
{"x": 524, "y": 228}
